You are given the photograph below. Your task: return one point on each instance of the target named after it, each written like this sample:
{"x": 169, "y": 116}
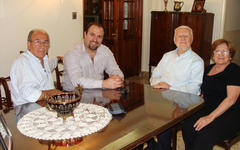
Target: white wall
{"x": 214, "y": 6}
{"x": 147, "y": 8}
{"x": 232, "y": 26}
{"x": 18, "y": 17}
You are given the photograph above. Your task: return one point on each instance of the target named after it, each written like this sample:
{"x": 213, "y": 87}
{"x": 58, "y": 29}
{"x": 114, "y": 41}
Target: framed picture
{"x": 198, "y": 6}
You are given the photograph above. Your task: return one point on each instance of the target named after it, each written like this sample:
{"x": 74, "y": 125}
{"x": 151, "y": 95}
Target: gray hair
{"x": 35, "y": 30}
{"x": 184, "y": 27}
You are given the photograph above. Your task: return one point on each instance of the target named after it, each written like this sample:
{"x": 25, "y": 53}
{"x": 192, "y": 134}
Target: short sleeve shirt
{"x": 214, "y": 87}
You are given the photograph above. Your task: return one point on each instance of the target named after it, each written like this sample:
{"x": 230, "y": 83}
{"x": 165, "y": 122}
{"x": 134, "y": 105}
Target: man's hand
{"x": 117, "y": 77}
{"x": 52, "y": 92}
{"x": 49, "y": 93}
{"x": 112, "y": 82}
{"x": 161, "y": 85}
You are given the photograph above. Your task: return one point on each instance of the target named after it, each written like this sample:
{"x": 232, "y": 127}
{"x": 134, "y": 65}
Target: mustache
{"x": 94, "y": 42}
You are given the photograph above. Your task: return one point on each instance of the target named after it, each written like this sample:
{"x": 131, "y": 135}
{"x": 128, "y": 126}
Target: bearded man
{"x": 85, "y": 64}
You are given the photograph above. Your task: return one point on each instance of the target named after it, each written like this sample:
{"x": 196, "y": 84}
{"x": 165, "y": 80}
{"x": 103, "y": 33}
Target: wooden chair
{"x": 5, "y": 102}
{"x": 227, "y": 144}
{"x": 175, "y": 129}
{"x": 59, "y": 74}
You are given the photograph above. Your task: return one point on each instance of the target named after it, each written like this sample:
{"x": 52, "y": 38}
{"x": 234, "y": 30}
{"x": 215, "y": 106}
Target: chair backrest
{"x": 59, "y": 73}
{"x": 6, "y": 101}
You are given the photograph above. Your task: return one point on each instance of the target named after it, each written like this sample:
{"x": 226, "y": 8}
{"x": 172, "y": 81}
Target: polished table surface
{"x": 148, "y": 113}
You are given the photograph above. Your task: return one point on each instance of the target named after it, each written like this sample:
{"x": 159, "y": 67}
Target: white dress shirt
{"x": 184, "y": 100}
{"x": 79, "y": 68}
{"x": 29, "y": 78}
{"x": 183, "y": 73}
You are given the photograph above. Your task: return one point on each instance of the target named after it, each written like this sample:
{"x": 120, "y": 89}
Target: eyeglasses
{"x": 219, "y": 52}
{"x": 38, "y": 43}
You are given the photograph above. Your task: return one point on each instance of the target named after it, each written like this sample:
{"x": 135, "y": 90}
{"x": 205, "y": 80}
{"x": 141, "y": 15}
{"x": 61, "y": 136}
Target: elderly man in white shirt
{"x": 85, "y": 64}
{"x": 31, "y": 78}
{"x": 180, "y": 70}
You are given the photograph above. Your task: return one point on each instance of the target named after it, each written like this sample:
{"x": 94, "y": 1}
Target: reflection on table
{"x": 148, "y": 113}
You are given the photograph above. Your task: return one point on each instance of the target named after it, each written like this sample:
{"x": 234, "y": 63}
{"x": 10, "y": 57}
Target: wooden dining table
{"x": 147, "y": 112}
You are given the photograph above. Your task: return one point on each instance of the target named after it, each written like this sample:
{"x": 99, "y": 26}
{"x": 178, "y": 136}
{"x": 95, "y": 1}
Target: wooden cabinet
{"x": 162, "y": 33}
{"x": 92, "y": 11}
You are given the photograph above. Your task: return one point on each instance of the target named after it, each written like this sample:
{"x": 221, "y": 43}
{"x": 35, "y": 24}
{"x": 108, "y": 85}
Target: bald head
{"x": 38, "y": 43}
{"x": 36, "y": 30}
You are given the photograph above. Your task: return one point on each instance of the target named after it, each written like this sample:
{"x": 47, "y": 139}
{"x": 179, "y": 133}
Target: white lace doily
{"x": 3, "y": 131}
{"x": 45, "y": 125}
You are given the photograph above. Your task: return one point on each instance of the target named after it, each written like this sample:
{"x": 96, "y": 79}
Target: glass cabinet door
{"x": 128, "y": 17}
{"x": 108, "y": 19}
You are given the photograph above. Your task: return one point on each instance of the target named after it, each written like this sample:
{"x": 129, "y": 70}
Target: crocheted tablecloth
{"x": 43, "y": 124}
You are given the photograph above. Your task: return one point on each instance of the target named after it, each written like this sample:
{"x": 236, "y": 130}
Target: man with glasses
{"x": 180, "y": 70}
{"x": 31, "y": 78}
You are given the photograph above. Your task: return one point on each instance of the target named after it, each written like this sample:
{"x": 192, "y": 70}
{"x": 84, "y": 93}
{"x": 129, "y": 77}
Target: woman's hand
{"x": 202, "y": 122}
{"x": 232, "y": 96}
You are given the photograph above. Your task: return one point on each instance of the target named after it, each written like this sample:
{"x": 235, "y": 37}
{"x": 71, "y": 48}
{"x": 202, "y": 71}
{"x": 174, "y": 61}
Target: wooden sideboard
{"x": 162, "y": 33}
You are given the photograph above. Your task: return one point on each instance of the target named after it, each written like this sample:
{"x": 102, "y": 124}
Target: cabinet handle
{"x": 115, "y": 35}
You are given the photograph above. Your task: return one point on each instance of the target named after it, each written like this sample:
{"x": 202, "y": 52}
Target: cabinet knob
{"x": 115, "y": 35}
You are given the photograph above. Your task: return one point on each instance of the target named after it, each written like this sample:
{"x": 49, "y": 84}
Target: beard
{"x": 94, "y": 46}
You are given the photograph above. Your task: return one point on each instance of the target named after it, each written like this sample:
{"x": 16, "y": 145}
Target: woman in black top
{"x": 220, "y": 117}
